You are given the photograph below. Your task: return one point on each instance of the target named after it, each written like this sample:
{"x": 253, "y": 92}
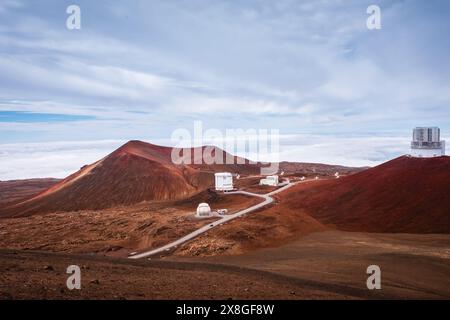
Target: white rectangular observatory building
{"x": 427, "y": 143}
{"x": 269, "y": 181}
{"x": 224, "y": 181}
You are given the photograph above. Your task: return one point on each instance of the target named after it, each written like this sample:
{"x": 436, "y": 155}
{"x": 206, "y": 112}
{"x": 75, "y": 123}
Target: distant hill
{"x": 406, "y": 194}
{"x": 312, "y": 169}
{"x": 14, "y": 191}
{"x": 135, "y": 172}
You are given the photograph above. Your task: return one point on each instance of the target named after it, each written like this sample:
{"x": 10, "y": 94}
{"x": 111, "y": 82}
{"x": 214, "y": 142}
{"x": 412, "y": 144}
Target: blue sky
{"x": 338, "y": 92}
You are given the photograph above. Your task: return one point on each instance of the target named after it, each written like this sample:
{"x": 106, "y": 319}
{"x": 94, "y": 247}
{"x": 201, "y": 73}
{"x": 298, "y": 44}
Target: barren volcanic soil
{"x": 412, "y": 266}
{"x": 117, "y": 231}
{"x": 323, "y": 265}
{"x": 14, "y": 191}
{"x": 402, "y": 195}
{"x": 268, "y": 227}
{"x": 42, "y": 275}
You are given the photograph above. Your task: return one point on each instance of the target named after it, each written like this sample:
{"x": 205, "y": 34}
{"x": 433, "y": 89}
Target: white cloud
{"x": 350, "y": 151}
{"x": 147, "y": 67}
{"x": 234, "y": 106}
{"x": 51, "y": 159}
{"x": 90, "y": 80}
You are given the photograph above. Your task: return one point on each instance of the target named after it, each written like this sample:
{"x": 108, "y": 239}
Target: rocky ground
{"x": 412, "y": 266}
{"x": 116, "y": 231}
{"x": 322, "y": 265}
{"x": 42, "y": 275}
{"x": 275, "y": 253}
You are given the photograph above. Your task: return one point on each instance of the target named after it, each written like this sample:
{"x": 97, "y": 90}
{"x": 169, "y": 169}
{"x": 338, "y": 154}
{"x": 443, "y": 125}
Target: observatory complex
{"x": 427, "y": 143}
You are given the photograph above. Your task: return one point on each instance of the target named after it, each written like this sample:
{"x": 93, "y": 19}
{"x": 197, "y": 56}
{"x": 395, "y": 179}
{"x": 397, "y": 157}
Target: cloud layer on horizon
{"x": 142, "y": 69}
{"x": 60, "y": 159}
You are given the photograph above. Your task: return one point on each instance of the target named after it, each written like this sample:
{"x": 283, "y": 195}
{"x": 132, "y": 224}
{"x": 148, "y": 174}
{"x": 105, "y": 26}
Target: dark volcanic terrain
{"x": 315, "y": 241}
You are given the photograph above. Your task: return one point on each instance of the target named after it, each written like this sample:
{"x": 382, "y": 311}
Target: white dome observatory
{"x": 203, "y": 210}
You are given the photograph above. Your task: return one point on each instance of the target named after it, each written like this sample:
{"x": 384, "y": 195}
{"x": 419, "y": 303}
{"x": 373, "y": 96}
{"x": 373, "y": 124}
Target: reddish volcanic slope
{"x": 406, "y": 194}
{"x": 316, "y": 169}
{"x": 14, "y": 191}
{"x": 135, "y": 172}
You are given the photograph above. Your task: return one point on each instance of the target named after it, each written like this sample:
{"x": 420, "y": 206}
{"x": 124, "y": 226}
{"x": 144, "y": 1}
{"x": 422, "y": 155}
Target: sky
{"x": 336, "y": 91}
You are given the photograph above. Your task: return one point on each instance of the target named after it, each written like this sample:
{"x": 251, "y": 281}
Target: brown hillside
{"x": 135, "y": 172}
{"x": 14, "y": 191}
{"x": 403, "y": 195}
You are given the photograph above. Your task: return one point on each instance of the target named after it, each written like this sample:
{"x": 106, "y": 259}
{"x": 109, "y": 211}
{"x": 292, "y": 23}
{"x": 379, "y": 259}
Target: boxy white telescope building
{"x": 269, "y": 181}
{"x": 224, "y": 181}
{"x": 427, "y": 143}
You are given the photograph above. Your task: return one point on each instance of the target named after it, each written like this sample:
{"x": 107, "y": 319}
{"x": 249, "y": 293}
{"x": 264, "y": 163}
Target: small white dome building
{"x": 203, "y": 210}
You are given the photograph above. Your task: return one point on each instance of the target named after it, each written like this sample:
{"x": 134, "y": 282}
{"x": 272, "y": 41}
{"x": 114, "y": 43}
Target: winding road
{"x": 267, "y": 200}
